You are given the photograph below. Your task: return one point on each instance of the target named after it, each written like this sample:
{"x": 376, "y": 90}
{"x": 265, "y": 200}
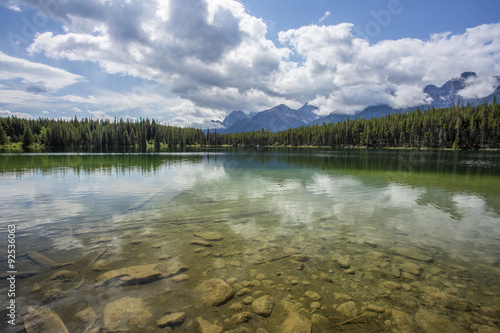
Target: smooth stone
{"x": 52, "y": 294}
{"x": 395, "y": 271}
{"x": 87, "y": 315}
{"x": 487, "y": 329}
{"x": 242, "y": 317}
{"x": 207, "y": 327}
{"x": 295, "y": 322}
{"x": 64, "y": 275}
{"x": 430, "y": 322}
{"x": 342, "y": 261}
{"x": 375, "y": 308}
{"x": 452, "y": 302}
{"x": 392, "y": 285}
{"x": 219, "y": 263}
{"x": 313, "y": 296}
{"x": 201, "y": 242}
{"x": 140, "y": 274}
{"x": 214, "y": 292}
{"x": 171, "y": 320}
{"x": 413, "y": 254}
{"x": 411, "y": 268}
{"x": 126, "y": 314}
{"x": 348, "y": 309}
{"x": 248, "y": 300}
{"x": 243, "y": 292}
{"x": 209, "y": 236}
{"x": 402, "y": 321}
{"x": 100, "y": 265}
{"x": 315, "y": 305}
{"x": 319, "y": 319}
{"x": 263, "y": 306}
{"x": 342, "y": 297}
{"x": 43, "y": 320}
{"x": 236, "y": 306}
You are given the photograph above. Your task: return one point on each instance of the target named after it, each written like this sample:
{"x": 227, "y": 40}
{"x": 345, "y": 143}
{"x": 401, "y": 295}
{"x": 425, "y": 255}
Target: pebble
{"x": 171, "y": 320}
{"x": 248, "y": 300}
{"x": 263, "y": 306}
{"x": 214, "y": 292}
{"x": 313, "y": 296}
{"x": 242, "y": 317}
{"x": 219, "y": 263}
{"x": 348, "y": 309}
{"x": 319, "y": 319}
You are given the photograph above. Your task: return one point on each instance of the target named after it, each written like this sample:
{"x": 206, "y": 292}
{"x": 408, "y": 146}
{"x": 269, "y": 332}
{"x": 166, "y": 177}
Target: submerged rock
{"x": 430, "y": 322}
{"x": 140, "y": 274}
{"x": 126, "y": 314}
{"x": 263, "y": 306}
{"x": 65, "y": 276}
{"x": 171, "y": 320}
{"x": 411, "y": 268}
{"x": 313, "y": 296}
{"x": 219, "y": 263}
{"x": 348, "y": 309}
{"x": 87, "y": 315}
{"x": 209, "y": 236}
{"x": 43, "y": 320}
{"x": 295, "y": 322}
{"x": 413, "y": 254}
{"x": 242, "y": 317}
{"x": 51, "y": 295}
{"x": 214, "y": 292}
{"x": 100, "y": 265}
{"x": 207, "y": 327}
{"x": 402, "y": 321}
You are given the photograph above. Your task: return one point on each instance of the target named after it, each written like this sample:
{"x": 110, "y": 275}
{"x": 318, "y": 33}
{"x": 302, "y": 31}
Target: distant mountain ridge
{"x": 282, "y": 117}
{"x": 277, "y": 119}
{"x": 442, "y": 97}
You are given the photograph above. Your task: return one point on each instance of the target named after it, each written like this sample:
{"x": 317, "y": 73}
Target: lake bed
{"x": 256, "y": 240}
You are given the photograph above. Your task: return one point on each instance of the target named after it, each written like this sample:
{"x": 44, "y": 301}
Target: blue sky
{"x": 188, "y": 62}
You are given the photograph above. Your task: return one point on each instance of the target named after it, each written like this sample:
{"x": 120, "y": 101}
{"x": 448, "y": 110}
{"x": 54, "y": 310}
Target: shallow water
{"x": 404, "y": 240}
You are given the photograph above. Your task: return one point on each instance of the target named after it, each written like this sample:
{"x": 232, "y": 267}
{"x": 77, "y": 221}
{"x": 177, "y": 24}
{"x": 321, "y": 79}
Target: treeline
{"x": 458, "y": 127}
{"x": 96, "y": 133}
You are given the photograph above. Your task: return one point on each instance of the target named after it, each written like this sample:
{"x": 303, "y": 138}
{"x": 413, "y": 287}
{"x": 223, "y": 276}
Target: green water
{"x": 283, "y": 218}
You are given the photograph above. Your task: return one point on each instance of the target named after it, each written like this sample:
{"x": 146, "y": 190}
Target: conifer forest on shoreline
{"x": 458, "y": 127}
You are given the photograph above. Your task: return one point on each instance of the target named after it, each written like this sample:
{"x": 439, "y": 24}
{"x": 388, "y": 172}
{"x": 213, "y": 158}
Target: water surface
{"x": 379, "y": 234}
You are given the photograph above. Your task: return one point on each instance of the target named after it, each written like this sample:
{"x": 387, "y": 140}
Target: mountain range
{"x": 281, "y": 117}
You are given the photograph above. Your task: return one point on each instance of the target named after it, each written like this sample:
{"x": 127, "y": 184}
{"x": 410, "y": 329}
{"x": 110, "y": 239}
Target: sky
{"x": 187, "y": 62}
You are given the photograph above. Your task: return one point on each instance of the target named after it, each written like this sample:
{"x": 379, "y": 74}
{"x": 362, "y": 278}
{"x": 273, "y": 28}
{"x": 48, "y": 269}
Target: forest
{"x": 458, "y": 127}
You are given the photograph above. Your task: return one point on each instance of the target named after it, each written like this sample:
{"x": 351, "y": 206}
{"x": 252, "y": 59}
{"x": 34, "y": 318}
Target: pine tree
{"x": 28, "y": 139}
{"x": 3, "y": 136}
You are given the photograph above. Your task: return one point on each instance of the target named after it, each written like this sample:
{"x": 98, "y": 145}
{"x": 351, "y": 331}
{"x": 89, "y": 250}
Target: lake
{"x": 264, "y": 240}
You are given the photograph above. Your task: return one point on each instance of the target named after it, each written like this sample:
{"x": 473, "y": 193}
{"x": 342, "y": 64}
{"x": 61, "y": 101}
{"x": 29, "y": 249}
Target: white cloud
{"x": 75, "y": 109}
{"x": 478, "y": 87}
{"x": 216, "y": 56}
{"x": 7, "y": 113}
{"x": 324, "y": 17}
{"x": 37, "y": 77}
{"x": 100, "y": 115}
{"x": 345, "y": 74}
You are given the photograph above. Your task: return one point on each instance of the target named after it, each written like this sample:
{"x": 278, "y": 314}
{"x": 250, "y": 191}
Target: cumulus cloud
{"x": 100, "y": 115}
{"x": 37, "y": 77}
{"x": 7, "y": 113}
{"x": 477, "y": 87}
{"x": 344, "y": 74}
{"x": 215, "y": 57}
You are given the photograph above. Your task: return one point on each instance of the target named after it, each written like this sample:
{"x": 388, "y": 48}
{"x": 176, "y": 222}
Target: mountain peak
{"x": 466, "y": 75}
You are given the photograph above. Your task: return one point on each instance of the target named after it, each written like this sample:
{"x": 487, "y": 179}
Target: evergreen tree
{"x": 28, "y": 139}
{"x": 3, "y": 136}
